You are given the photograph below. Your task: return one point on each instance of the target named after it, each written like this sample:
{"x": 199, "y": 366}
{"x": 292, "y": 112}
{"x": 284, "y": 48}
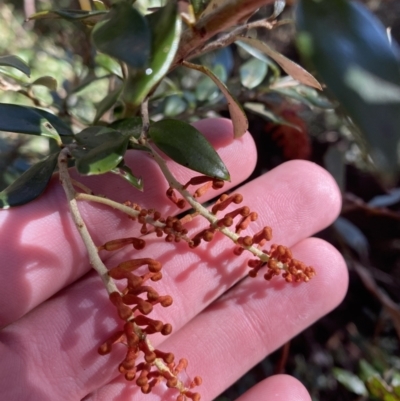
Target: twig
{"x": 124, "y": 209}
{"x": 94, "y": 257}
{"x": 228, "y": 14}
{"x": 144, "y": 111}
{"x": 81, "y": 186}
{"x": 201, "y": 209}
{"x": 232, "y": 36}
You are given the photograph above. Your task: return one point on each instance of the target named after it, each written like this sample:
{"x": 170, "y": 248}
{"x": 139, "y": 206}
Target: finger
{"x": 277, "y": 388}
{"x": 246, "y": 324}
{"x": 255, "y": 319}
{"x": 78, "y": 316}
{"x": 40, "y": 247}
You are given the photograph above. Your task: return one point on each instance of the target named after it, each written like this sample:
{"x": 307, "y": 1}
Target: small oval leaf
{"x": 125, "y": 35}
{"x": 238, "y": 116}
{"x": 349, "y": 380}
{"x": 187, "y": 146}
{"x": 304, "y": 94}
{"x": 29, "y": 120}
{"x": 291, "y": 68}
{"x": 16, "y": 62}
{"x": 102, "y": 158}
{"x": 131, "y": 126}
{"x": 47, "y": 81}
{"x": 252, "y": 73}
{"x": 94, "y": 136}
{"x": 174, "y": 105}
{"x": 30, "y": 184}
{"x": 206, "y": 90}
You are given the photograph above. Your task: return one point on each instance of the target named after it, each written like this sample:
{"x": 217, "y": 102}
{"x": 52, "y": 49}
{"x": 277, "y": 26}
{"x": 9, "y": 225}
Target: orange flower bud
{"x": 223, "y": 204}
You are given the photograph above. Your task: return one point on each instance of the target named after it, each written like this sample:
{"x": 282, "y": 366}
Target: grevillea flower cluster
{"x": 142, "y": 362}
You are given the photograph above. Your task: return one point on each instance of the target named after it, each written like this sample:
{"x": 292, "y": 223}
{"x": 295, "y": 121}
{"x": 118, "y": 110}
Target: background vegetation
{"x": 353, "y": 353}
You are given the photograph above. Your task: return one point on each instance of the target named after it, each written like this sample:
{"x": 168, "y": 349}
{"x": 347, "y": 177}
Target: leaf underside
{"x": 30, "y": 184}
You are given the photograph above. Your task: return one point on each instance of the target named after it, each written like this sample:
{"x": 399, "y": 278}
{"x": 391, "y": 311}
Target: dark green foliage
{"x": 15, "y": 62}
{"x": 187, "y": 146}
{"x": 165, "y": 27}
{"x": 30, "y": 120}
{"x": 125, "y": 35}
{"x": 102, "y": 150}
{"x": 30, "y": 184}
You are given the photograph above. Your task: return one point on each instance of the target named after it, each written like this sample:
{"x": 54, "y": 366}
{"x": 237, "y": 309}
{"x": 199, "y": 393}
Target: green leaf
{"x": 94, "y": 136}
{"x": 165, "y": 25}
{"x": 174, "y": 105}
{"x": 291, "y": 68}
{"x": 381, "y": 390}
{"x": 99, "y": 5}
{"x": 252, "y": 73}
{"x": 106, "y": 103}
{"x": 187, "y": 146}
{"x": 366, "y": 369}
{"x": 30, "y": 184}
{"x": 125, "y": 35}
{"x": 48, "y": 82}
{"x": 166, "y": 88}
{"x": 16, "y": 62}
{"x": 206, "y": 90}
{"x": 89, "y": 17}
{"x": 304, "y": 94}
{"x": 261, "y": 56}
{"x": 128, "y": 126}
{"x": 238, "y": 116}
{"x": 131, "y": 127}
{"x": 349, "y": 380}
{"x": 350, "y": 50}
{"x": 103, "y": 158}
{"x": 109, "y": 64}
{"x": 126, "y": 173}
{"x": 29, "y": 120}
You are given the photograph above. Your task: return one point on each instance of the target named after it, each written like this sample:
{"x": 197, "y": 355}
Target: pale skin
{"x": 54, "y": 315}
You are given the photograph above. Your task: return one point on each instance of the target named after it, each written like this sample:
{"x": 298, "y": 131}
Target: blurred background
{"x": 351, "y": 354}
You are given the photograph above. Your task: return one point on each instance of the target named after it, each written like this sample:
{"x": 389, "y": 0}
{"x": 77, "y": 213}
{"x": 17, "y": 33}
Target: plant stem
{"x": 230, "y": 37}
{"x": 198, "y": 207}
{"x": 122, "y": 208}
{"x": 144, "y": 111}
{"x": 94, "y": 257}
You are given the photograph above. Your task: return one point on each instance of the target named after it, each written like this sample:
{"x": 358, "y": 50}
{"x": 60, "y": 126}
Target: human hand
{"x": 48, "y": 344}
